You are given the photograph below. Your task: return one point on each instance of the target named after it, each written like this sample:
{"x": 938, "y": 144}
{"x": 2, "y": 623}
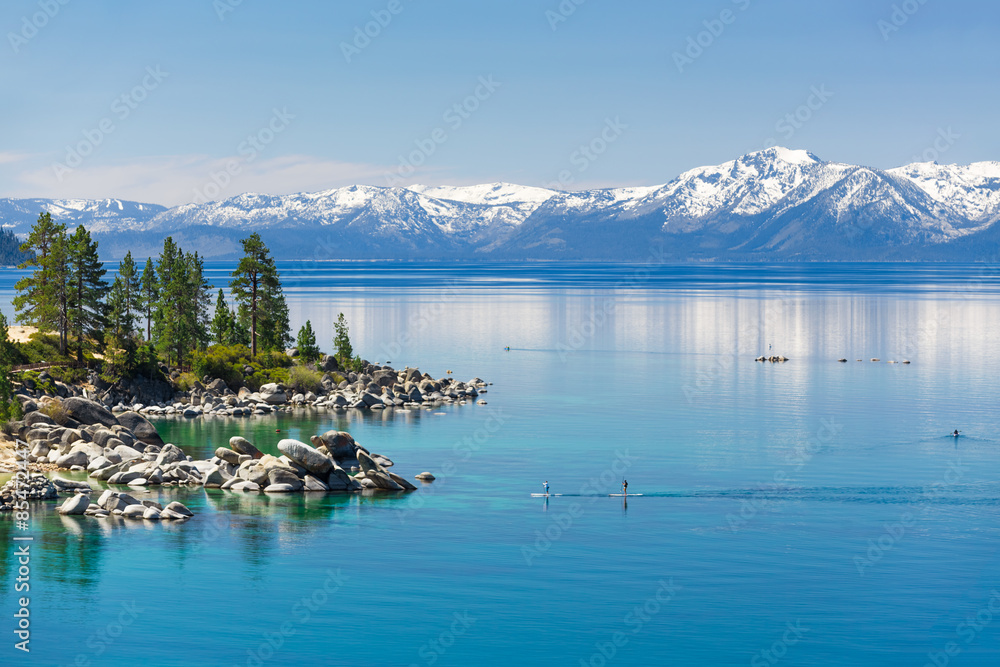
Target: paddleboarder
{"x": 624, "y": 487}
{"x": 546, "y": 486}
{"x": 955, "y": 434}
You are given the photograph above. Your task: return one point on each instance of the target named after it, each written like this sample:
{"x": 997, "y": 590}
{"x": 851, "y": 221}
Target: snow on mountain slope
{"x": 775, "y": 201}
{"x": 379, "y": 210}
{"x": 491, "y": 194}
{"x": 746, "y": 186}
{"x": 972, "y": 191}
{"x": 97, "y": 215}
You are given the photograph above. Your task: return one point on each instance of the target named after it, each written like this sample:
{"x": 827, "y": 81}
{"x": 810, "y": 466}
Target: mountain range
{"x": 776, "y": 205}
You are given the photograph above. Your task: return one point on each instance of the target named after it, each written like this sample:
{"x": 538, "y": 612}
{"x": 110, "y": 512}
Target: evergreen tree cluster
{"x": 10, "y": 249}
{"x": 162, "y": 311}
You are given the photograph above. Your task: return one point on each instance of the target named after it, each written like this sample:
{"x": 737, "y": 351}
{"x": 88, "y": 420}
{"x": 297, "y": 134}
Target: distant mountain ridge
{"x": 776, "y": 204}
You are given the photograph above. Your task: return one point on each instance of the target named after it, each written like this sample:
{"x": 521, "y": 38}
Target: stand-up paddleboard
{"x": 624, "y": 495}
{"x": 544, "y": 495}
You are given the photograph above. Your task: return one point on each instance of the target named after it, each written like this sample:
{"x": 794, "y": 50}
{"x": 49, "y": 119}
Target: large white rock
{"x": 306, "y": 456}
{"x": 78, "y": 504}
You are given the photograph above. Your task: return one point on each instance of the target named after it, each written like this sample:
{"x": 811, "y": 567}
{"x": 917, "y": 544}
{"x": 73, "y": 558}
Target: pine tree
{"x": 241, "y": 329}
{"x": 37, "y": 300}
{"x": 256, "y": 287}
{"x": 276, "y": 332}
{"x": 306, "y": 343}
{"x": 123, "y": 306}
{"x": 180, "y": 320}
{"x": 342, "y": 342}
{"x": 131, "y": 293}
{"x": 58, "y": 285}
{"x": 222, "y": 324}
{"x": 169, "y": 328}
{"x": 199, "y": 298}
{"x": 85, "y": 310}
{"x": 10, "y": 408}
{"x": 149, "y": 295}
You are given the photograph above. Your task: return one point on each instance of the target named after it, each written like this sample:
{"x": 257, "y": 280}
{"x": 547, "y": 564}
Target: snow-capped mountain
{"x": 97, "y": 215}
{"x": 773, "y": 204}
{"x": 972, "y": 191}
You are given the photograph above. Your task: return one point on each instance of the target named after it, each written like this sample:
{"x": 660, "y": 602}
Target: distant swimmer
{"x": 507, "y": 349}
{"x": 955, "y": 434}
{"x": 546, "y": 486}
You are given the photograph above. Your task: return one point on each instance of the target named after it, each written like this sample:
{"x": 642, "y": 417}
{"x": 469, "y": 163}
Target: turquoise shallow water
{"x": 815, "y": 495}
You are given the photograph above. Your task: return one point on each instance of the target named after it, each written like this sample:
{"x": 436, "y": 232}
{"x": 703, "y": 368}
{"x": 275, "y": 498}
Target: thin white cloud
{"x": 183, "y": 179}
{"x": 10, "y": 157}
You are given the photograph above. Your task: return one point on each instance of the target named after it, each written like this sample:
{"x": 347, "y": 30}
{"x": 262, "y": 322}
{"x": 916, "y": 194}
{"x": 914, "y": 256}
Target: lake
{"x": 810, "y": 512}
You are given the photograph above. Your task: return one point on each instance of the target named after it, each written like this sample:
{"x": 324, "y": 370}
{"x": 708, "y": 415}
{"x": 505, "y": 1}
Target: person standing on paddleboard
{"x": 546, "y": 486}
{"x": 624, "y": 487}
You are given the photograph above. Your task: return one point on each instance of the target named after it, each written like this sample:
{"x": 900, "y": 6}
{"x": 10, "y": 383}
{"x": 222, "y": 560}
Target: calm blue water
{"x": 815, "y": 495}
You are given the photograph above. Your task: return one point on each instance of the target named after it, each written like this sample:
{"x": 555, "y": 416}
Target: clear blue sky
{"x": 892, "y": 91}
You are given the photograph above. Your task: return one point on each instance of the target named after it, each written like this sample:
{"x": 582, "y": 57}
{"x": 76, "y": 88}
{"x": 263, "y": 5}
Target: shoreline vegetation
{"x": 104, "y": 359}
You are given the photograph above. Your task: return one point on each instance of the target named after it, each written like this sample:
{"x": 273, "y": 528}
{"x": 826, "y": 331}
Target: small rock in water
{"x": 78, "y": 504}
{"x": 425, "y": 477}
{"x": 179, "y": 508}
{"x": 280, "y": 488}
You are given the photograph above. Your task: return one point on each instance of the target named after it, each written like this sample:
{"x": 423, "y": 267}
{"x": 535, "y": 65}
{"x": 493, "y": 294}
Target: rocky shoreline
{"x": 122, "y": 452}
{"x": 378, "y": 388}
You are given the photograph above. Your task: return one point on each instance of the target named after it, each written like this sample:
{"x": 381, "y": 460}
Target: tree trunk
{"x": 79, "y": 331}
{"x": 253, "y": 320}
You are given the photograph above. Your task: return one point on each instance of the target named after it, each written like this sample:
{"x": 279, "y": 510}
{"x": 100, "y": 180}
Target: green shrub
{"x": 274, "y": 360}
{"x": 42, "y": 348}
{"x": 302, "y": 380}
{"x": 46, "y": 386}
{"x": 10, "y": 411}
{"x": 68, "y": 375}
{"x": 57, "y": 411}
{"x": 228, "y": 362}
{"x": 262, "y": 376}
{"x": 186, "y": 381}
{"x": 221, "y": 361}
